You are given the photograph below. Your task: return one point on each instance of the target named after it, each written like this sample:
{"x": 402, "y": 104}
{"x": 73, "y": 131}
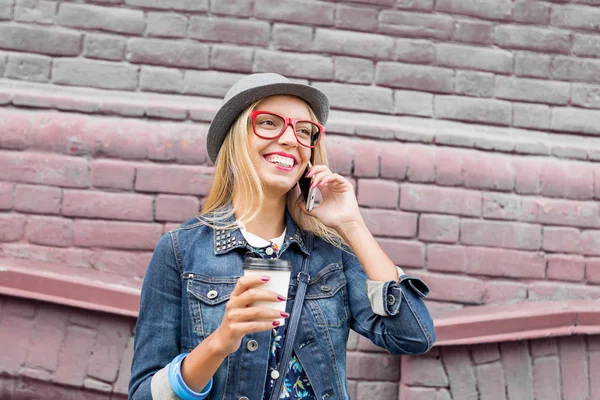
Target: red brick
{"x": 88, "y": 204}
{"x": 592, "y": 270}
{"x": 566, "y": 268}
{"x": 85, "y": 318}
{"x": 503, "y": 262}
{"x": 448, "y": 166}
{"x": 365, "y": 366}
{"x": 74, "y": 356}
{"x": 12, "y": 227}
{"x": 505, "y": 292}
{"x": 356, "y": 18}
{"x": 420, "y": 393}
{"x": 566, "y": 180}
{"x": 340, "y": 153}
{"x": 19, "y": 307}
{"x": 500, "y": 234}
{"x": 390, "y": 223}
{"x": 400, "y": 23}
{"x": 438, "y": 228}
{"x": 440, "y": 200}
{"x": 488, "y": 171}
{"x": 308, "y": 66}
{"x": 50, "y": 231}
{"x": 378, "y": 193}
{"x": 112, "y": 19}
{"x": 366, "y": 159}
{"x": 49, "y": 169}
{"x": 459, "y": 289}
{"x": 574, "y": 379}
{"x": 445, "y": 258}
{"x": 568, "y": 212}
{"x": 176, "y": 208}
{"x": 118, "y": 235}
{"x": 420, "y": 371}
{"x": 111, "y": 340}
{"x": 377, "y": 390}
{"x": 169, "y": 227}
{"x": 541, "y": 291}
{"x": 593, "y": 343}
{"x": 112, "y": 174}
{"x": 562, "y": 240}
{"x": 485, "y": 353}
{"x": 594, "y": 362}
{"x": 6, "y": 195}
{"x": 543, "y": 347}
{"x": 122, "y": 383}
{"x": 67, "y": 256}
{"x": 16, "y": 332}
{"x": 527, "y": 174}
{"x": 393, "y": 161}
{"x": 546, "y": 378}
{"x": 47, "y": 337}
{"x": 421, "y": 163}
{"x": 460, "y": 372}
{"x": 590, "y": 243}
{"x": 123, "y": 263}
{"x": 517, "y": 370}
{"x": 404, "y": 253}
{"x": 37, "y": 199}
{"x": 173, "y": 179}
{"x": 509, "y": 207}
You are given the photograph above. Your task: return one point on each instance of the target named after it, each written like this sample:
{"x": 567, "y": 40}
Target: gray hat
{"x": 255, "y": 87}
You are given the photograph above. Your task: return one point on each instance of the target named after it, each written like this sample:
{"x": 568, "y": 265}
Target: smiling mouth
{"x": 285, "y": 162}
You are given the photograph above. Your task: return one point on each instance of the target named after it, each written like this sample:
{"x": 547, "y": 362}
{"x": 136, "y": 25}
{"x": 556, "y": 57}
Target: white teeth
{"x": 283, "y": 161}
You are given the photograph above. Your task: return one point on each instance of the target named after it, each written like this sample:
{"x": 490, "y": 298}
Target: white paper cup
{"x": 279, "y": 271}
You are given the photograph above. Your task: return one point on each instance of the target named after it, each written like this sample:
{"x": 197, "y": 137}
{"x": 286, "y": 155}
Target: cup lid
{"x": 275, "y": 264}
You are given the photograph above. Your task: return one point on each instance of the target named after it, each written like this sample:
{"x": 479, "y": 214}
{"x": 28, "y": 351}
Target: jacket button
{"x": 274, "y": 374}
{"x": 326, "y": 288}
{"x": 391, "y": 299}
{"x": 252, "y": 345}
{"x": 212, "y": 294}
{"x": 243, "y": 398}
{"x": 269, "y": 251}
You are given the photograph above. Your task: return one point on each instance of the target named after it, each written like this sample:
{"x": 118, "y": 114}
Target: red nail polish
{"x": 265, "y": 278}
{"x": 276, "y": 323}
{"x": 284, "y": 314}
{"x": 281, "y": 298}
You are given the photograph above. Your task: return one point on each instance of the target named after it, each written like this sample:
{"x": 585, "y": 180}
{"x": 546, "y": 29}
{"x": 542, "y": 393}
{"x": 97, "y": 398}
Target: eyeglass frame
{"x": 287, "y": 122}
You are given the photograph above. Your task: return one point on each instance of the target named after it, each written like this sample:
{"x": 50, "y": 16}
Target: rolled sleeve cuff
{"x": 160, "y": 386}
{"x": 385, "y": 297}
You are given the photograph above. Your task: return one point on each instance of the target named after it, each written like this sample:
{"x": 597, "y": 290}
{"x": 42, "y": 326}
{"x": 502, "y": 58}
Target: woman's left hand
{"x": 339, "y": 204}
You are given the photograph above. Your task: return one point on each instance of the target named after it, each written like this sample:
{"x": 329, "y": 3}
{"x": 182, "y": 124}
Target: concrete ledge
{"x": 75, "y": 287}
{"x": 115, "y": 294}
{"x": 348, "y": 123}
{"x": 522, "y": 321}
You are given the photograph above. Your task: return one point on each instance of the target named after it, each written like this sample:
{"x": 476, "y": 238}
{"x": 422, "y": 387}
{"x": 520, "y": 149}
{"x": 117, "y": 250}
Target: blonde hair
{"x": 234, "y": 171}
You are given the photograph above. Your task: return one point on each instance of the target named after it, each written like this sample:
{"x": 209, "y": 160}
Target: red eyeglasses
{"x": 270, "y": 125}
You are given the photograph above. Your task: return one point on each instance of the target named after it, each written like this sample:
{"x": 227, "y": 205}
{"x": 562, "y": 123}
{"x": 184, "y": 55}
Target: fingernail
{"x": 265, "y": 278}
{"x": 312, "y": 185}
{"x": 276, "y": 323}
{"x": 284, "y": 314}
{"x": 281, "y": 298}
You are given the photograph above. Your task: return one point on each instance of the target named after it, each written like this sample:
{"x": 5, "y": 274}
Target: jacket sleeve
{"x": 392, "y": 314}
{"x": 157, "y": 332}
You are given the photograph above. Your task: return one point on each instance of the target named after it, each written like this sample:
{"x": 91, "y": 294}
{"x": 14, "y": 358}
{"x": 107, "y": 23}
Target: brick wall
{"x": 469, "y": 128}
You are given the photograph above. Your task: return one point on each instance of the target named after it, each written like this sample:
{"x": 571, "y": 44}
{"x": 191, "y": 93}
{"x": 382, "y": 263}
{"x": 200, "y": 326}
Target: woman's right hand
{"x": 241, "y": 317}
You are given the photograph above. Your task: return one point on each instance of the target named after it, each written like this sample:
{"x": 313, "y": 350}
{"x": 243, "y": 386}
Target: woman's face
{"x": 280, "y": 162}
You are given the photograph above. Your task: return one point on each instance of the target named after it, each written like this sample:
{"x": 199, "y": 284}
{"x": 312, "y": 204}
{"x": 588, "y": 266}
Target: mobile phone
{"x": 308, "y": 193}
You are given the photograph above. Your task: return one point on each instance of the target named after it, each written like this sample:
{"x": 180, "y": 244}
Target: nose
{"x": 288, "y": 138}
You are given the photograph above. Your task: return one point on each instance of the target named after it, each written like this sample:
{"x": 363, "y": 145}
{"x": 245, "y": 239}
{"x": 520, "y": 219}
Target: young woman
{"x": 199, "y": 335}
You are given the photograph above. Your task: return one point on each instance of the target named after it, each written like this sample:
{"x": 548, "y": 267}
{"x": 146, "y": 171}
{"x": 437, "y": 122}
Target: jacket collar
{"x": 226, "y": 240}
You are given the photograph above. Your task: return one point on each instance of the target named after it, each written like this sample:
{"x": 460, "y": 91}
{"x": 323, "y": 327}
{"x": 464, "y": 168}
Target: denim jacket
{"x": 191, "y": 276}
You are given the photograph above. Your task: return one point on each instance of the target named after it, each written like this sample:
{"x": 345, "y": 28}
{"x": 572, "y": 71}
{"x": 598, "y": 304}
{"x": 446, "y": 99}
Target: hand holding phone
{"x": 308, "y": 193}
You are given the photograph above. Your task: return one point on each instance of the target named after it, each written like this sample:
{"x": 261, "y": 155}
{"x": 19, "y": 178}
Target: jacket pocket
{"x": 326, "y": 296}
{"x": 207, "y": 298}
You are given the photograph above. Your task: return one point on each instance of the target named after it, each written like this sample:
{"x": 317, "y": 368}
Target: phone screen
{"x": 304, "y": 184}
